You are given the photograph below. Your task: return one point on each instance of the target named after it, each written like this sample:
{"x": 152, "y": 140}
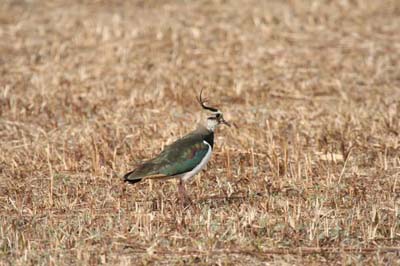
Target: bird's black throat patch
{"x": 209, "y": 138}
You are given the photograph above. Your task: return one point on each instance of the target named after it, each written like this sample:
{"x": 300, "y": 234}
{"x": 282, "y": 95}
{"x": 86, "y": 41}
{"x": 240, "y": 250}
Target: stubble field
{"x": 310, "y": 174}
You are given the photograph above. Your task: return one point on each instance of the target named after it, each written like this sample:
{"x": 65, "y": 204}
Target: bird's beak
{"x": 226, "y": 122}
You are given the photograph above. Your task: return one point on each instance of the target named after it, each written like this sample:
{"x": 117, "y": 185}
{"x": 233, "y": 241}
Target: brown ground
{"x": 311, "y": 174}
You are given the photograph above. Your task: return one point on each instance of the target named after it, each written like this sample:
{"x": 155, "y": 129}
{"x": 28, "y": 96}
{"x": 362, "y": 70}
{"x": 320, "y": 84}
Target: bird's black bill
{"x": 226, "y": 123}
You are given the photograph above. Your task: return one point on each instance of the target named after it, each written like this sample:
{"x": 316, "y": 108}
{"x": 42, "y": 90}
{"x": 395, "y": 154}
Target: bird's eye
{"x": 218, "y": 115}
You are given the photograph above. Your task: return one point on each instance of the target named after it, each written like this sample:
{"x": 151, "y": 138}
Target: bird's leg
{"x": 183, "y": 196}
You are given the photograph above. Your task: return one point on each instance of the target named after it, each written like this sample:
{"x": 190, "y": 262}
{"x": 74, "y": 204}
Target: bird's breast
{"x": 189, "y": 175}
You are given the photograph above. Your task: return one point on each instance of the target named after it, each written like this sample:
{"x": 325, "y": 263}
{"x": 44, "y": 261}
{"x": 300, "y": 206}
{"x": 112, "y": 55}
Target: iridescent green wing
{"x": 178, "y": 158}
{"x": 183, "y": 157}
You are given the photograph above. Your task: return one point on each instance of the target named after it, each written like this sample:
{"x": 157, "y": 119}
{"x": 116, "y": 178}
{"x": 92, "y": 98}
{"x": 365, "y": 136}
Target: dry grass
{"x": 310, "y": 176}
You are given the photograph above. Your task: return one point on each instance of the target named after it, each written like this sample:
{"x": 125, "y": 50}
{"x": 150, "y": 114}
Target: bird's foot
{"x": 186, "y": 201}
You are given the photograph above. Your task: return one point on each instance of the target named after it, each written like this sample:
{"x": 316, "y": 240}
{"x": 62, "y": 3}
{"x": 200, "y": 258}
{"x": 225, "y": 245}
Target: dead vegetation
{"x": 311, "y": 175}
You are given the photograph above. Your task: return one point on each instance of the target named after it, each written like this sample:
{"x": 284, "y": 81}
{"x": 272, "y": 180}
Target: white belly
{"x": 188, "y": 176}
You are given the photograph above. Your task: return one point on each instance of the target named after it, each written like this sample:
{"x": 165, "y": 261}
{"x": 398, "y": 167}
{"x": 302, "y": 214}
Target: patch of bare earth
{"x": 311, "y": 174}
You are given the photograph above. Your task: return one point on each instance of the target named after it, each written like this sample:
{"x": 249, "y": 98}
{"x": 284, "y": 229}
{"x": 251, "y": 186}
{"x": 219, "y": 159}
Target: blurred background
{"x": 90, "y": 88}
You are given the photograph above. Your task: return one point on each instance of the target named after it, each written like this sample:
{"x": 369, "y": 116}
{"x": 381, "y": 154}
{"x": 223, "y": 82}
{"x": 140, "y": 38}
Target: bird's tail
{"x": 132, "y": 178}
{"x": 145, "y": 171}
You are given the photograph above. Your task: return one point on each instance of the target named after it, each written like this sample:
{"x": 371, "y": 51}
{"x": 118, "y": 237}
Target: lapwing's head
{"x": 215, "y": 116}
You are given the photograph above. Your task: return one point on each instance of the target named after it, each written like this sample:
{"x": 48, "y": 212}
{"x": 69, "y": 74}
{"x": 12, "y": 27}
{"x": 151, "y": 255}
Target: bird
{"x": 185, "y": 157}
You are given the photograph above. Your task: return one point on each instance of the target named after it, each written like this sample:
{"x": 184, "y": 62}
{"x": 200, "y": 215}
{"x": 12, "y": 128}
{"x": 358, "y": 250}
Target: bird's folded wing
{"x": 178, "y": 158}
{"x": 184, "y": 159}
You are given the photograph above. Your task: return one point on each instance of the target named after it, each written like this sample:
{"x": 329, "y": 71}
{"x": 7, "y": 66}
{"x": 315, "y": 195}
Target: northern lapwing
{"x": 185, "y": 157}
